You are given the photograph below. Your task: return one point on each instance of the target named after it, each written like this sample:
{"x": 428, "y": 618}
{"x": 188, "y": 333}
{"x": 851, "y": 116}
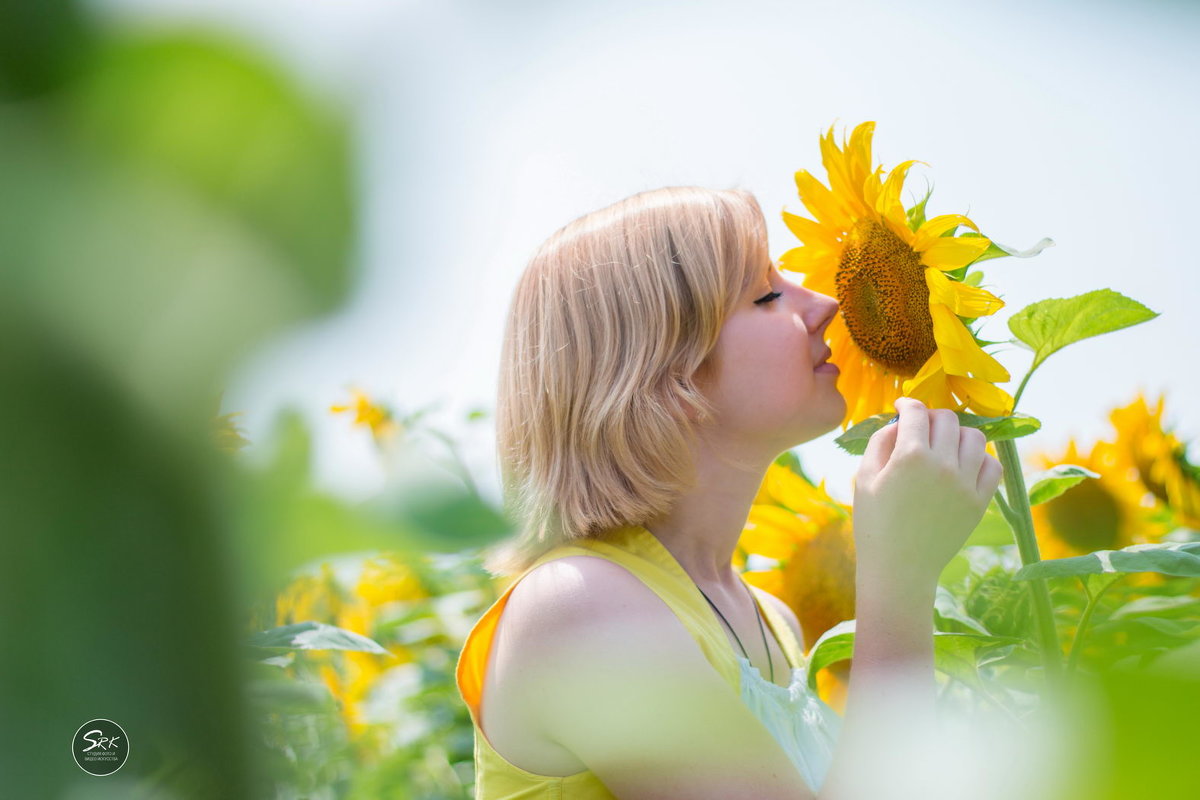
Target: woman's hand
{"x": 921, "y": 489}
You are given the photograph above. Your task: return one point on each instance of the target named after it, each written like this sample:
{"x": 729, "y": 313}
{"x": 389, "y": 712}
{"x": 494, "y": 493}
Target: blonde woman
{"x": 655, "y": 362}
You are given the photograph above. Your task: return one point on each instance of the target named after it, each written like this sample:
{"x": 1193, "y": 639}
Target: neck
{"x": 702, "y": 529}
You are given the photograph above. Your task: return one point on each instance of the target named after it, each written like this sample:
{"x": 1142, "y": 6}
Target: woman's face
{"x": 767, "y": 387}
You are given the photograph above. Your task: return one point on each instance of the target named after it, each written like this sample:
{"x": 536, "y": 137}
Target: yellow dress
{"x": 804, "y": 726}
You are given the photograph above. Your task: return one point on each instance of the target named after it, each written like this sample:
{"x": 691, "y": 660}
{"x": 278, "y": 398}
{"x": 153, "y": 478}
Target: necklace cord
{"x": 761, "y": 630}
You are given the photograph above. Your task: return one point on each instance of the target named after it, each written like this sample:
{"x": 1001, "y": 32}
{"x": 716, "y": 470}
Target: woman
{"x": 654, "y": 364}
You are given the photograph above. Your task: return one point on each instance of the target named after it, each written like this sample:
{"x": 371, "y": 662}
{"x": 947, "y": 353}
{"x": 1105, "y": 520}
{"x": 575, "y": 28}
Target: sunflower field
{"x": 258, "y": 637}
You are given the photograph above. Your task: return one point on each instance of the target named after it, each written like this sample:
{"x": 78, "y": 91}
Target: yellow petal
{"x": 982, "y": 397}
{"x": 841, "y": 180}
{"x": 889, "y": 195}
{"x": 811, "y": 233}
{"x": 929, "y": 385}
{"x": 962, "y": 299}
{"x": 822, "y": 203}
{"x": 960, "y": 354}
{"x": 767, "y": 540}
{"x": 769, "y": 580}
{"x": 954, "y": 252}
{"x": 933, "y": 229}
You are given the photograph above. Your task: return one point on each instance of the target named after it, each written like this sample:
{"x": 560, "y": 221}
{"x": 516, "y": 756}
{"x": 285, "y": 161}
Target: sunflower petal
{"x": 810, "y": 232}
{"x": 929, "y": 385}
{"x": 961, "y": 355}
{"x": 838, "y": 166}
{"x": 769, "y": 580}
{"x": 768, "y": 541}
{"x": 933, "y": 229}
{"x": 953, "y": 252}
{"x": 964, "y": 300}
{"x": 982, "y": 397}
{"x": 822, "y": 203}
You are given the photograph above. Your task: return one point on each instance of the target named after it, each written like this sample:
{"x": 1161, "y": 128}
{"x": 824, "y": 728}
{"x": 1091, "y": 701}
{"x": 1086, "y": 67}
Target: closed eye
{"x": 768, "y": 298}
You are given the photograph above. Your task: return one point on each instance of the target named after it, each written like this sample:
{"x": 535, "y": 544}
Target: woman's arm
{"x": 891, "y": 693}
{"x": 923, "y": 486}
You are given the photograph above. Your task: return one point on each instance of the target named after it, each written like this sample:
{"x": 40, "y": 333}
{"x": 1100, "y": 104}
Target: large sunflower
{"x": 1159, "y": 457}
{"x": 808, "y": 534}
{"x": 901, "y": 329}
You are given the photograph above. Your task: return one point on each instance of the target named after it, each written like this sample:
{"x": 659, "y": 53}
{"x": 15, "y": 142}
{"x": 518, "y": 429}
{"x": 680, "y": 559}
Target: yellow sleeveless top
{"x": 639, "y": 551}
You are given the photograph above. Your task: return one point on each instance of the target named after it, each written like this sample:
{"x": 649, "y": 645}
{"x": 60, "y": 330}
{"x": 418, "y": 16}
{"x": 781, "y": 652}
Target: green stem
{"x": 1093, "y": 601}
{"x": 1021, "y": 387}
{"x": 1018, "y": 503}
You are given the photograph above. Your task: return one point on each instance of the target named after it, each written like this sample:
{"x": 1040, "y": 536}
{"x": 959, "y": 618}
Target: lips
{"x": 824, "y": 357}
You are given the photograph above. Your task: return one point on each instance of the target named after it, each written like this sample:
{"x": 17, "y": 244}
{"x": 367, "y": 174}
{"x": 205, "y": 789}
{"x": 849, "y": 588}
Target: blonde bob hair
{"x": 609, "y": 337}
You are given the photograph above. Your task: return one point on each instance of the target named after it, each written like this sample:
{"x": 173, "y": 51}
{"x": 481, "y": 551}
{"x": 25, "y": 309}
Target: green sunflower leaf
{"x": 1165, "y": 558}
{"x": 1056, "y": 480}
{"x": 955, "y": 654}
{"x": 1047, "y": 326}
{"x": 854, "y": 441}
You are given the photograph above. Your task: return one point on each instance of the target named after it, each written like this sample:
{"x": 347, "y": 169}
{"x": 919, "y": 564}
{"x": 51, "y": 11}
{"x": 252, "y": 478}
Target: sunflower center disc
{"x": 884, "y": 299}
{"x": 1087, "y": 517}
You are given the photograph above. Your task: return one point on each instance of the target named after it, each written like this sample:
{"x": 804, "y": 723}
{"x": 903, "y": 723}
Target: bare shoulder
{"x": 786, "y": 610}
{"x": 613, "y": 678}
{"x": 572, "y": 596}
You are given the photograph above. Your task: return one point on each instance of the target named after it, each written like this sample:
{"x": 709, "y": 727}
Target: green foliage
{"x": 1166, "y": 558}
{"x": 854, "y": 440}
{"x": 1048, "y": 326}
{"x": 1053, "y": 482}
{"x": 312, "y": 636}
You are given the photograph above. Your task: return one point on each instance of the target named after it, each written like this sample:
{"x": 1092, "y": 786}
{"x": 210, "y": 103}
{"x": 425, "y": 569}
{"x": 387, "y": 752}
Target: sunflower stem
{"x": 1021, "y": 387}
{"x": 1093, "y": 601}
{"x": 1018, "y": 504}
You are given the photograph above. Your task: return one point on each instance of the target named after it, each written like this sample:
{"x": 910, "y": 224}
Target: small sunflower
{"x": 1105, "y": 513}
{"x": 1159, "y": 457}
{"x": 808, "y": 533}
{"x": 901, "y": 329}
{"x": 372, "y": 415}
{"x": 351, "y": 675}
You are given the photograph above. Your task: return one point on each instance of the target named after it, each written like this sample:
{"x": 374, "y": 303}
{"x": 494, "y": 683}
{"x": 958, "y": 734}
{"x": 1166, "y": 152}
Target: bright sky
{"x": 487, "y": 125}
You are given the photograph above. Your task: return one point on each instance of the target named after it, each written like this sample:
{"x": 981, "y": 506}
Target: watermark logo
{"x": 100, "y": 747}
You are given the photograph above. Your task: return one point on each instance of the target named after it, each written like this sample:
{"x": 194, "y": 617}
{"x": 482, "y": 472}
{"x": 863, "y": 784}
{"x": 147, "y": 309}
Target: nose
{"x": 825, "y": 308}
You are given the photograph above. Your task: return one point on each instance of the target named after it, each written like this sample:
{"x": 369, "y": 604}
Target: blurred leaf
{"x": 992, "y": 530}
{"x": 955, "y": 654}
{"x": 314, "y": 636}
{"x": 281, "y": 522}
{"x": 290, "y": 697}
{"x": 43, "y": 44}
{"x": 1159, "y": 606}
{"x": 221, "y": 119}
{"x": 1169, "y": 558}
{"x": 1053, "y": 482}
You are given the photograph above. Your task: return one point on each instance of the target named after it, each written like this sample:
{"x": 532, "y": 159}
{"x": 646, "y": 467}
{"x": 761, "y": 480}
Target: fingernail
{"x": 893, "y": 419}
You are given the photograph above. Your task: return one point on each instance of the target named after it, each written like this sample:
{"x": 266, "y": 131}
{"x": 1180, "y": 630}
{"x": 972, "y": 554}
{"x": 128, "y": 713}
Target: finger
{"x": 879, "y": 449}
{"x": 913, "y": 428}
{"x": 990, "y": 474}
{"x": 944, "y": 434}
{"x": 971, "y": 450}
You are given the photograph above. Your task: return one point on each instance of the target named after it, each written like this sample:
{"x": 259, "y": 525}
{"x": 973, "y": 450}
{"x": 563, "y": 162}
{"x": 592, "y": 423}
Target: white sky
{"x": 488, "y": 125}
